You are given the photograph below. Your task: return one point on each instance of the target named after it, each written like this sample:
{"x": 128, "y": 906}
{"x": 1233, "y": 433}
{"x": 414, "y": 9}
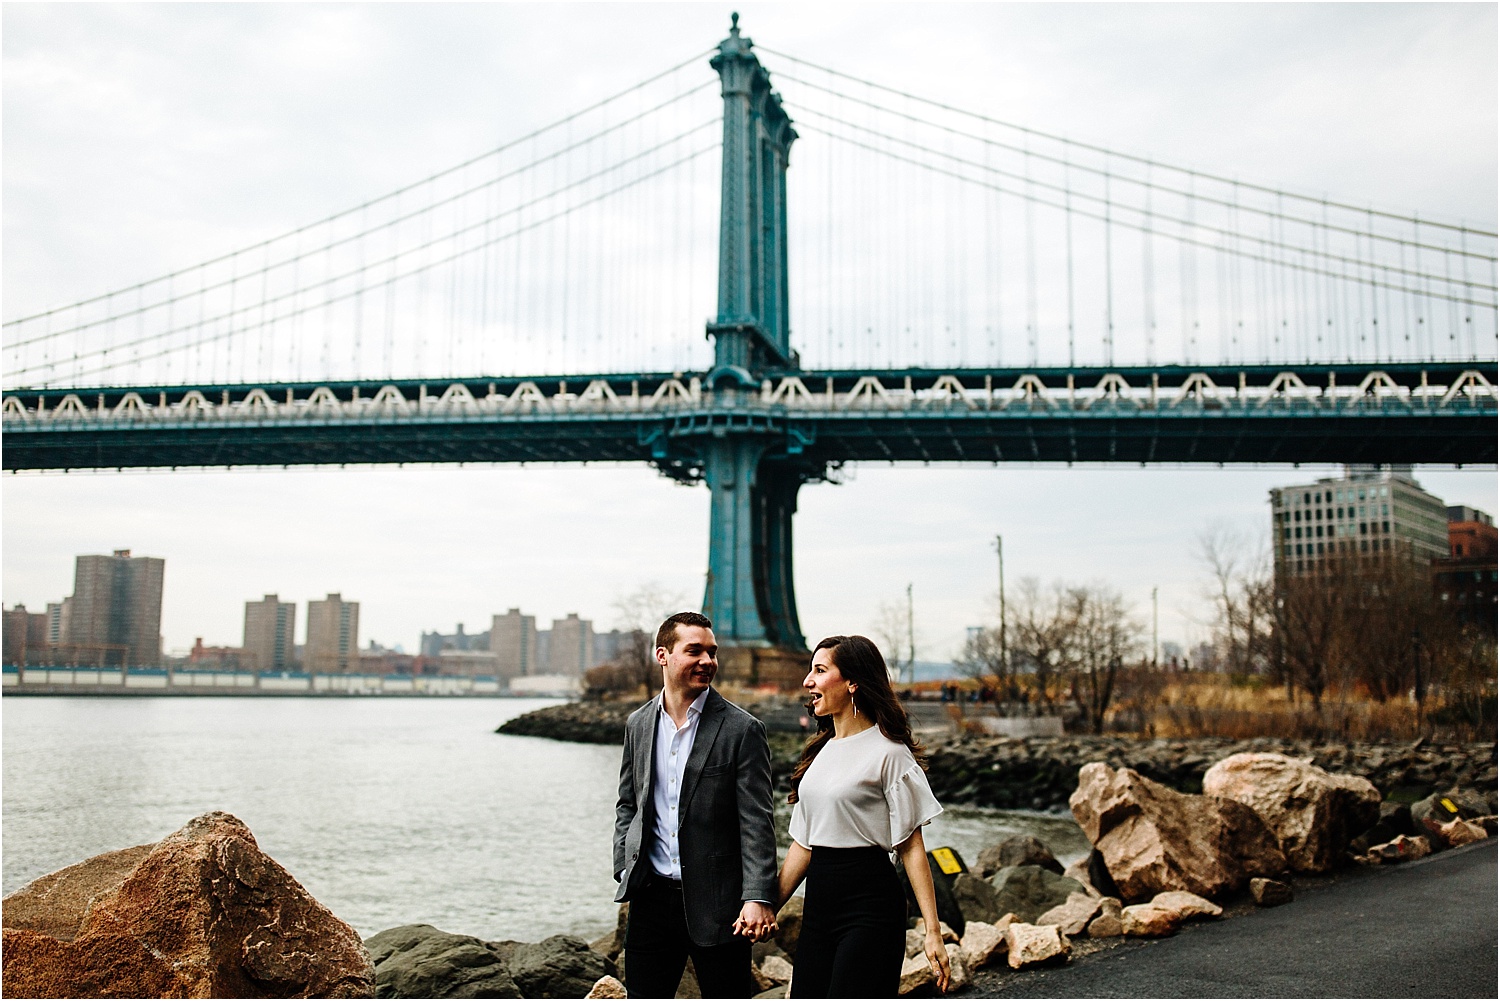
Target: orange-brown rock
{"x": 1314, "y": 813}
{"x": 1461, "y": 832}
{"x": 1155, "y": 839}
{"x": 201, "y": 913}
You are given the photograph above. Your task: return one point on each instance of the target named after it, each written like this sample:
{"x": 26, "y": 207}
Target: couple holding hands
{"x": 695, "y": 844}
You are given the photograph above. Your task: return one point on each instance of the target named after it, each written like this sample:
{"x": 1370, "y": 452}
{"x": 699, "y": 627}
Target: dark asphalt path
{"x": 1424, "y": 929}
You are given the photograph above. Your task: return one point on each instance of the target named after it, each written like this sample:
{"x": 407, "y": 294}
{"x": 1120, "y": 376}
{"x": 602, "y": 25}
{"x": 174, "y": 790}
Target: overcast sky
{"x": 138, "y": 139}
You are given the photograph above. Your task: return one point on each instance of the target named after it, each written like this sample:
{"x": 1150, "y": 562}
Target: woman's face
{"x": 830, "y": 692}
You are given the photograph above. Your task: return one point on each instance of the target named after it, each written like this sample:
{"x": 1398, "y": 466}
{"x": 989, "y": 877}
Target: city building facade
{"x": 571, "y": 650}
{"x": 332, "y": 636}
{"x": 24, "y": 633}
{"x": 513, "y": 641}
{"x": 1464, "y": 581}
{"x": 270, "y": 633}
{"x": 1368, "y": 511}
{"x": 58, "y": 613}
{"x": 116, "y": 601}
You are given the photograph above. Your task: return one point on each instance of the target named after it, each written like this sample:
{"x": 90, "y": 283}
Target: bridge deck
{"x": 1435, "y": 414}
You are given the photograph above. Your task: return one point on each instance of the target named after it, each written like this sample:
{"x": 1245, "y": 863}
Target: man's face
{"x": 690, "y": 666}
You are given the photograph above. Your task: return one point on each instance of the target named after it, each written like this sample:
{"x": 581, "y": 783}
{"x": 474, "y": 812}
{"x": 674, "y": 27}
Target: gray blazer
{"x": 725, "y": 831}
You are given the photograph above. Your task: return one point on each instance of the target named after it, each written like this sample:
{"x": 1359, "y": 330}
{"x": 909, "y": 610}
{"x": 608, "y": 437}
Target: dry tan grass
{"x": 1215, "y": 706}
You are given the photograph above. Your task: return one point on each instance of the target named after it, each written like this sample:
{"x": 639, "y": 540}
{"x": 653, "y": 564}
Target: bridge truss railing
{"x": 1339, "y": 390}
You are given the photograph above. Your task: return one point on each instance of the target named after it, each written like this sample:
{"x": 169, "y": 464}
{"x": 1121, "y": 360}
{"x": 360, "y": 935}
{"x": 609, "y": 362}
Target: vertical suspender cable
{"x": 1109, "y": 275}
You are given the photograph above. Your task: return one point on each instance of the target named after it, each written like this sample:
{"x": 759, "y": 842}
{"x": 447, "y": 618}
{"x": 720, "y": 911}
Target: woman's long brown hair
{"x": 859, "y": 661}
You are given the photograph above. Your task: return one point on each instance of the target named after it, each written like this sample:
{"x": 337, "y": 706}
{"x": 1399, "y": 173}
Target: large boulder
{"x": 562, "y": 966}
{"x": 1153, "y": 839}
{"x": 976, "y": 899}
{"x": 201, "y": 913}
{"x": 420, "y": 961}
{"x": 1028, "y": 891}
{"x": 1314, "y": 814}
{"x": 1020, "y": 849}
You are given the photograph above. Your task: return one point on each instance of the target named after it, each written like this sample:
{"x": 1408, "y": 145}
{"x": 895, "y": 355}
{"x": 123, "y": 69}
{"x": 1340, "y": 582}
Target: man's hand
{"x": 757, "y": 922}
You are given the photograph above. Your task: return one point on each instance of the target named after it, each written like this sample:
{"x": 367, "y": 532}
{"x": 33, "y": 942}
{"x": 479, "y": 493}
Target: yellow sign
{"x": 946, "y": 861}
{"x": 1445, "y": 801}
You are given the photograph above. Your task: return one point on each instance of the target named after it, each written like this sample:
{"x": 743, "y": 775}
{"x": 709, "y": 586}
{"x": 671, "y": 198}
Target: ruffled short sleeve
{"x": 911, "y": 803}
{"x": 797, "y": 830}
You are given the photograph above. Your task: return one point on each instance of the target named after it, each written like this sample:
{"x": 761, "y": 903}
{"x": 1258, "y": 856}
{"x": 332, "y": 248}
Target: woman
{"x": 859, "y": 794}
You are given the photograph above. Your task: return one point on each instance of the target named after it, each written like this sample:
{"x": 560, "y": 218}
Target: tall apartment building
{"x": 270, "y": 633}
{"x": 1367, "y": 511}
{"x": 117, "y": 600}
{"x": 24, "y": 634}
{"x": 513, "y": 640}
{"x": 1465, "y": 581}
{"x": 332, "y": 636}
{"x": 571, "y": 651}
{"x": 58, "y": 613}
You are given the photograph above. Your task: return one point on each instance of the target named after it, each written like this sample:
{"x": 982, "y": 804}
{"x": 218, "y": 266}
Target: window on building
{"x": 1364, "y": 545}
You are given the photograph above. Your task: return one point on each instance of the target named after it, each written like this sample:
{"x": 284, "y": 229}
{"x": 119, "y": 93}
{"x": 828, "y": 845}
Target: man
{"x": 695, "y": 849}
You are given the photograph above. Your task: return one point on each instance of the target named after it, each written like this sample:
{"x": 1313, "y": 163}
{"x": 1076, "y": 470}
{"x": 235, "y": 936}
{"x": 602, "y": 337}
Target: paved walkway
{"x": 1424, "y": 929}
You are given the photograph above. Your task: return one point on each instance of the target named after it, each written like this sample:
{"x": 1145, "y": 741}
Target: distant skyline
{"x": 140, "y": 138}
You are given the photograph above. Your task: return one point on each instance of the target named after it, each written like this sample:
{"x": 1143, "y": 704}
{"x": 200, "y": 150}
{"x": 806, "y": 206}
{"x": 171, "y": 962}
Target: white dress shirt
{"x": 673, "y": 745}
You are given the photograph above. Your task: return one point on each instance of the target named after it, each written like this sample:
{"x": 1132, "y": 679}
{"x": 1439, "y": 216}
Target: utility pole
{"x": 1155, "y": 634}
{"x": 911, "y": 638}
{"x": 1004, "y": 652}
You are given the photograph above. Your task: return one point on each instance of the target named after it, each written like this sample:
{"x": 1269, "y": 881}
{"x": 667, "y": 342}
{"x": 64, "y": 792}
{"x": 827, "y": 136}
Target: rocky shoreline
{"x": 1040, "y": 773}
{"x": 205, "y": 913}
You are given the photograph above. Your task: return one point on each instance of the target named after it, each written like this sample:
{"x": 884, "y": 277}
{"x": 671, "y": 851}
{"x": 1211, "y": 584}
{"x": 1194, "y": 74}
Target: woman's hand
{"x": 937, "y": 956}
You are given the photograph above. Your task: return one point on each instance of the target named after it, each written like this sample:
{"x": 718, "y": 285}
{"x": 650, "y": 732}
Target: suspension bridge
{"x": 935, "y": 286}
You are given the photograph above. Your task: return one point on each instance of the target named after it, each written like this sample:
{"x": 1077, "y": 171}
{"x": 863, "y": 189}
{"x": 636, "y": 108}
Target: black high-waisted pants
{"x": 853, "y": 926}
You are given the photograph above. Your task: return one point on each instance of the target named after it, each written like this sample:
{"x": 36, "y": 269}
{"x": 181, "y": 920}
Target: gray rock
{"x": 975, "y": 898}
{"x": 1028, "y": 891}
{"x": 420, "y": 961}
{"x": 1021, "y": 849}
{"x": 562, "y": 966}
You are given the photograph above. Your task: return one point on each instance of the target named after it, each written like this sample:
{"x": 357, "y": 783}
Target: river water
{"x": 390, "y": 811}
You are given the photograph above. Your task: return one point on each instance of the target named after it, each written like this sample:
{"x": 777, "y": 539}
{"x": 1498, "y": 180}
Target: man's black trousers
{"x": 657, "y": 948}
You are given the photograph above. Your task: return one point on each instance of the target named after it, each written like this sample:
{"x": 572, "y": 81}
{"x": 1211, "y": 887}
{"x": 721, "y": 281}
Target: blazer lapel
{"x": 645, "y": 763}
{"x": 703, "y": 742}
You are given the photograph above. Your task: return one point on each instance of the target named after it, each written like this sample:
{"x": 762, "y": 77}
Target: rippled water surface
{"x": 389, "y": 811}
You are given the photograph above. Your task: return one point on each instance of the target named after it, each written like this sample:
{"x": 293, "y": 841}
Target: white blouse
{"x": 862, "y": 790}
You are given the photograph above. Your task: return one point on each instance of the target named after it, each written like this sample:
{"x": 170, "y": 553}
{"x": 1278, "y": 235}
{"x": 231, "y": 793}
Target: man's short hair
{"x": 666, "y": 636}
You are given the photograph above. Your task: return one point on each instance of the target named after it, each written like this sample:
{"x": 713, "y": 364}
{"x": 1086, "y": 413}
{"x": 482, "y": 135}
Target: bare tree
{"x": 639, "y": 614}
{"x": 1101, "y": 636}
{"x": 1239, "y": 588}
{"x": 981, "y": 656}
{"x": 893, "y": 629}
{"x": 1039, "y": 631}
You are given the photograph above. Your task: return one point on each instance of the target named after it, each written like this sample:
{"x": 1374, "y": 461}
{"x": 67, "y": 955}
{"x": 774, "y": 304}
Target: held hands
{"x": 757, "y": 922}
{"x": 937, "y": 956}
